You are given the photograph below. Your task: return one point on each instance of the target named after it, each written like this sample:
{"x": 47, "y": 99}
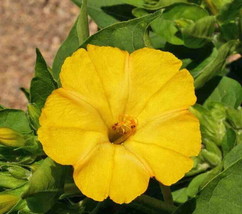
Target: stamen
{"x": 124, "y": 129}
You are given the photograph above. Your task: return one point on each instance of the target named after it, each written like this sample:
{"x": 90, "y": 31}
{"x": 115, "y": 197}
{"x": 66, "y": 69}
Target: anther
{"x": 124, "y": 129}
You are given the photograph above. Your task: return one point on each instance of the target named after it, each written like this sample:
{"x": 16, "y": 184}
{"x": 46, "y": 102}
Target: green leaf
{"x": 26, "y": 93}
{"x": 152, "y": 5}
{"x": 134, "y": 32}
{"x": 82, "y": 26}
{"x": 66, "y": 49}
{"x": 8, "y": 181}
{"x": 234, "y": 117}
{"x": 180, "y": 195}
{"x": 46, "y": 183}
{"x": 196, "y": 71}
{"x": 105, "y": 13}
{"x": 228, "y": 92}
{"x": 42, "y": 84}
{"x": 230, "y": 31}
{"x": 222, "y": 195}
{"x": 176, "y": 17}
{"x": 15, "y": 119}
{"x": 229, "y": 141}
{"x": 66, "y": 208}
{"x": 34, "y": 114}
{"x": 201, "y": 180}
{"x": 195, "y": 185}
{"x": 212, "y": 68}
{"x": 230, "y": 11}
{"x": 219, "y": 4}
{"x": 233, "y": 156}
{"x": 199, "y": 33}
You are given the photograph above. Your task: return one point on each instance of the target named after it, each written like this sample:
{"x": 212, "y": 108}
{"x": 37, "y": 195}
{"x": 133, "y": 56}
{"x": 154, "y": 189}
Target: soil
{"x": 24, "y": 26}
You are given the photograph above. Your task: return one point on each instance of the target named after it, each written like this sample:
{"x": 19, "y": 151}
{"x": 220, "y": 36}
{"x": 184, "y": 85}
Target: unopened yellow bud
{"x": 9, "y": 137}
{"x": 7, "y": 201}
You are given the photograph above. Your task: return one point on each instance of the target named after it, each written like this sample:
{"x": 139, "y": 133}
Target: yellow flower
{"x": 120, "y": 119}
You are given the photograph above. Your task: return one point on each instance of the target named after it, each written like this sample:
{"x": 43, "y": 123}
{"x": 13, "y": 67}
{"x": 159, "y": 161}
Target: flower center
{"x": 124, "y": 128}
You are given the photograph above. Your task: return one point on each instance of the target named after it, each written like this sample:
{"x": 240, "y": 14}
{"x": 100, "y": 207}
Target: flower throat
{"x": 123, "y": 129}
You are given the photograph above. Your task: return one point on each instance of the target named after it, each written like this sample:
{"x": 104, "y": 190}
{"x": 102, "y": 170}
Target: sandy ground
{"x": 25, "y": 25}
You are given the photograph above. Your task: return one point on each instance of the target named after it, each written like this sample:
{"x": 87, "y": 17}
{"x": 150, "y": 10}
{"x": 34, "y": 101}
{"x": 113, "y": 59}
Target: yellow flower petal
{"x": 130, "y": 177}
{"x": 99, "y": 76}
{"x": 149, "y": 70}
{"x": 112, "y": 66}
{"x": 92, "y": 175}
{"x": 111, "y": 170}
{"x": 177, "y": 131}
{"x": 67, "y": 145}
{"x": 167, "y": 166}
{"x": 177, "y": 93}
{"x": 70, "y": 127}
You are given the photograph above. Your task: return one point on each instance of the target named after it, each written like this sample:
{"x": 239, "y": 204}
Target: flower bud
{"x": 34, "y": 114}
{"x": 9, "y": 137}
{"x": 210, "y": 157}
{"x": 19, "y": 172}
{"x": 7, "y": 201}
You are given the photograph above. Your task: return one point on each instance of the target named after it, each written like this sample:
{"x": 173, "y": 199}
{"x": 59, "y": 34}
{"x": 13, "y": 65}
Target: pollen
{"x": 124, "y": 128}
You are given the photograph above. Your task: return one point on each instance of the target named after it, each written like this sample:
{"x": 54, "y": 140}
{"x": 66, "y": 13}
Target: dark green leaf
{"x": 199, "y": 33}
{"x": 212, "y": 68}
{"x": 222, "y": 195}
{"x": 234, "y": 155}
{"x": 199, "y": 68}
{"x": 228, "y": 92}
{"x": 42, "y": 84}
{"x": 230, "y": 11}
{"x": 229, "y": 141}
{"x": 134, "y": 32}
{"x": 230, "y": 31}
{"x": 10, "y": 154}
{"x": 82, "y": 25}
{"x": 26, "y": 93}
{"x": 15, "y": 119}
{"x": 46, "y": 183}
{"x": 105, "y": 13}
{"x": 66, "y": 208}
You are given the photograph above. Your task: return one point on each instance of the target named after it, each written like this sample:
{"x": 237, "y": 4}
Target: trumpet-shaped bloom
{"x": 120, "y": 119}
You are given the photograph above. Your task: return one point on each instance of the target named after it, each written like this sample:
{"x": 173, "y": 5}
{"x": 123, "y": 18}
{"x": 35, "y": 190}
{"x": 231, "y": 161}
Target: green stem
{"x": 167, "y": 196}
{"x": 211, "y": 7}
{"x": 146, "y": 202}
{"x": 240, "y": 25}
